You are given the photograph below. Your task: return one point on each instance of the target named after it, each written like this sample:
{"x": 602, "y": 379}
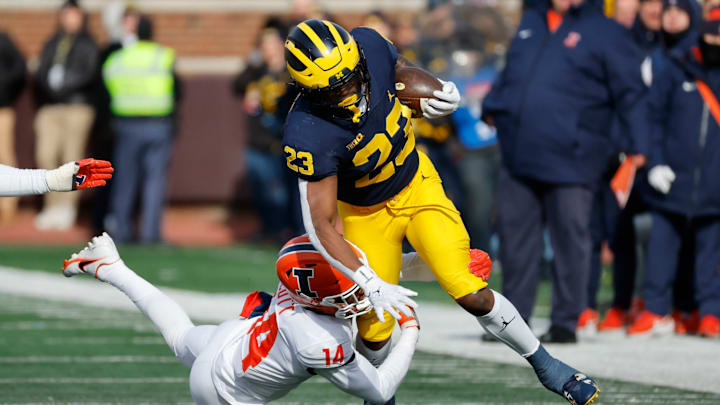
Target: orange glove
{"x": 480, "y": 264}
{"x": 92, "y": 173}
{"x": 407, "y": 322}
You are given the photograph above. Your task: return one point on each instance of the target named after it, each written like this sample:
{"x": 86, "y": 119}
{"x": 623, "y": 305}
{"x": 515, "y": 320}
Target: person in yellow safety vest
{"x": 143, "y": 93}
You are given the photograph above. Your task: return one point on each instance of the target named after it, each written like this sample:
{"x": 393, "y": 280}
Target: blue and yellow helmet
{"x": 326, "y": 63}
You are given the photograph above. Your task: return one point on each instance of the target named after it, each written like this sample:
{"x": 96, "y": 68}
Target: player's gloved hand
{"x": 445, "y": 102}
{"x": 78, "y": 175}
{"x": 384, "y": 296}
{"x": 92, "y": 173}
{"x": 409, "y": 321}
{"x": 480, "y": 264}
{"x": 661, "y": 178}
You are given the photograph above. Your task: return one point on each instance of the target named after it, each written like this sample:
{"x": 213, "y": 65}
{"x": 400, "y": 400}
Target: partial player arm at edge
{"x": 19, "y": 182}
{"x": 318, "y": 200}
{"x": 376, "y": 385}
{"x": 71, "y": 176}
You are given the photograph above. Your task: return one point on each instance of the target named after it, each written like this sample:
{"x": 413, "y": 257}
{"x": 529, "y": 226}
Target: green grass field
{"x": 62, "y": 352}
{"x": 216, "y": 270}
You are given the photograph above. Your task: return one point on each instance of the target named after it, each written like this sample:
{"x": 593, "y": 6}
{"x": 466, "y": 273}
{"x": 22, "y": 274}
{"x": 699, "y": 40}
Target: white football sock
{"x": 166, "y": 314}
{"x": 505, "y": 323}
{"x": 376, "y": 357}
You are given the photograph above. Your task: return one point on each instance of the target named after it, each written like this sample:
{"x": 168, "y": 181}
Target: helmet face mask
{"x": 313, "y": 283}
{"x": 345, "y": 99}
{"x": 350, "y": 304}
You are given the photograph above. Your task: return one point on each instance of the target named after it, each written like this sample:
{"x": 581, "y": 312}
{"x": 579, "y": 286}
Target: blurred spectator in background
{"x": 12, "y": 81}
{"x": 685, "y": 160}
{"x": 304, "y": 10}
{"x": 569, "y": 70}
{"x": 610, "y": 222}
{"x": 267, "y": 98}
{"x": 646, "y": 27}
{"x": 675, "y": 21}
{"x": 120, "y": 23}
{"x": 144, "y": 91}
{"x": 64, "y": 85}
{"x": 405, "y": 36}
{"x": 625, "y": 12}
{"x": 380, "y": 23}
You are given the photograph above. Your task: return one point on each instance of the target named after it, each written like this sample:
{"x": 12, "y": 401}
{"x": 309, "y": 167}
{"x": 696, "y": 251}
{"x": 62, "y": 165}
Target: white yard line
{"x": 680, "y": 362}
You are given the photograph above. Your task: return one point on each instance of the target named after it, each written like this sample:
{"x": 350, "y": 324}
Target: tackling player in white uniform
{"x": 304, "y": 329}
{"x": 71, "y": 176}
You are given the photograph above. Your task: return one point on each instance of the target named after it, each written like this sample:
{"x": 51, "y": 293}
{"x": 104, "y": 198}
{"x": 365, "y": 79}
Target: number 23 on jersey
{"x": 305, "y": 166}
{"x": 381, "y": 146}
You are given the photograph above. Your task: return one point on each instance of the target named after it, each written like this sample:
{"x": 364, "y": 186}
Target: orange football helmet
{"x": 314, "y": 283}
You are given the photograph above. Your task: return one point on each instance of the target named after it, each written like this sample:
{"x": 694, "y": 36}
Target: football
{"x": 413, "y": 84}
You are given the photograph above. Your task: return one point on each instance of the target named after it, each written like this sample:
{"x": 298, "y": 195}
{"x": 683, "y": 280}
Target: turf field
{"x": 214, "y": 270}
{"x": 65, "y": 352}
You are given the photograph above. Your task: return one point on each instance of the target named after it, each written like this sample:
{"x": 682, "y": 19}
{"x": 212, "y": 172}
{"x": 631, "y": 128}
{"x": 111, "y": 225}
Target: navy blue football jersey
{"x": 373, "y": 159}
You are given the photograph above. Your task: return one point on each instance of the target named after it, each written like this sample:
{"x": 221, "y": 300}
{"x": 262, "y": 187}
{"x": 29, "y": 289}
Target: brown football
{"x": 412, "y": 84}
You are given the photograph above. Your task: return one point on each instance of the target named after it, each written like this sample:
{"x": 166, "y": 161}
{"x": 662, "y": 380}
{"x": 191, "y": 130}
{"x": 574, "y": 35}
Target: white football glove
{"x": 384, "y": 296}
{"x": 661, "y": 178}
{"x": 445, "y": 102}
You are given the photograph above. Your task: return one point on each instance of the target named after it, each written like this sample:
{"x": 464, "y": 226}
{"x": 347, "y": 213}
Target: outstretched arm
{"x": 17, "y": 182}
{"x": 377, "y": 385}
{"x": 319, "y": 209}
{"x": 71, "y": 176}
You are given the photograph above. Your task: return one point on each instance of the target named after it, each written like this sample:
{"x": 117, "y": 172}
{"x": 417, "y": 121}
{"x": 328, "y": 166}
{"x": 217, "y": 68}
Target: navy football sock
{"x": 551, "y": 372}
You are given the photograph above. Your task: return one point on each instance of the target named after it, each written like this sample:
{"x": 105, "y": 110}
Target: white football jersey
{"x": 265, "y": 357}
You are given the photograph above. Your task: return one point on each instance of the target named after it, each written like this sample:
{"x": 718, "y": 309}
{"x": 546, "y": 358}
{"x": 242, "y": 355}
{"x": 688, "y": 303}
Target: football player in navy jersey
{"x": 349, "y": 140}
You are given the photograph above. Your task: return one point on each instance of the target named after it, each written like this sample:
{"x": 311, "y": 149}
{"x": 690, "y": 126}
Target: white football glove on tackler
{"x": 384, "y": 296}
{"x": 445, "y": 102}
{"x": 661, "y": 178}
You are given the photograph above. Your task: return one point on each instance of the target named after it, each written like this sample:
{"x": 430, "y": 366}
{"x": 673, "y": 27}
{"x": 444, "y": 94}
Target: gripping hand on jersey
{"x": 445, "y": 102}
{"x": 480, "y": 264}
{"x": 79, "y": 175}
{"x": 384, "y": 296}
{"x": 409, "y": 322}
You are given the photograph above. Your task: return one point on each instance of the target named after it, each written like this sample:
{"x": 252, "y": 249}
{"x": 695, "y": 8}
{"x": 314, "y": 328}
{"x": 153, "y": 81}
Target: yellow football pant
{"x": 422, "y": 213}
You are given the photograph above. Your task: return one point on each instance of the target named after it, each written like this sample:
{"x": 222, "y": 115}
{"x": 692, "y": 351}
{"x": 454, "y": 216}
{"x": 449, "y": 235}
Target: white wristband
{"x": 61, "y": 179}
{"x": 363, "y": 275}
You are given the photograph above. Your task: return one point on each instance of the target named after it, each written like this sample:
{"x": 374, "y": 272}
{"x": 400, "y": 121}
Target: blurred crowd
{"x": 554, "y": 110}
{"x": 583, "y": 106}
{"x": 127, "y": 90}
